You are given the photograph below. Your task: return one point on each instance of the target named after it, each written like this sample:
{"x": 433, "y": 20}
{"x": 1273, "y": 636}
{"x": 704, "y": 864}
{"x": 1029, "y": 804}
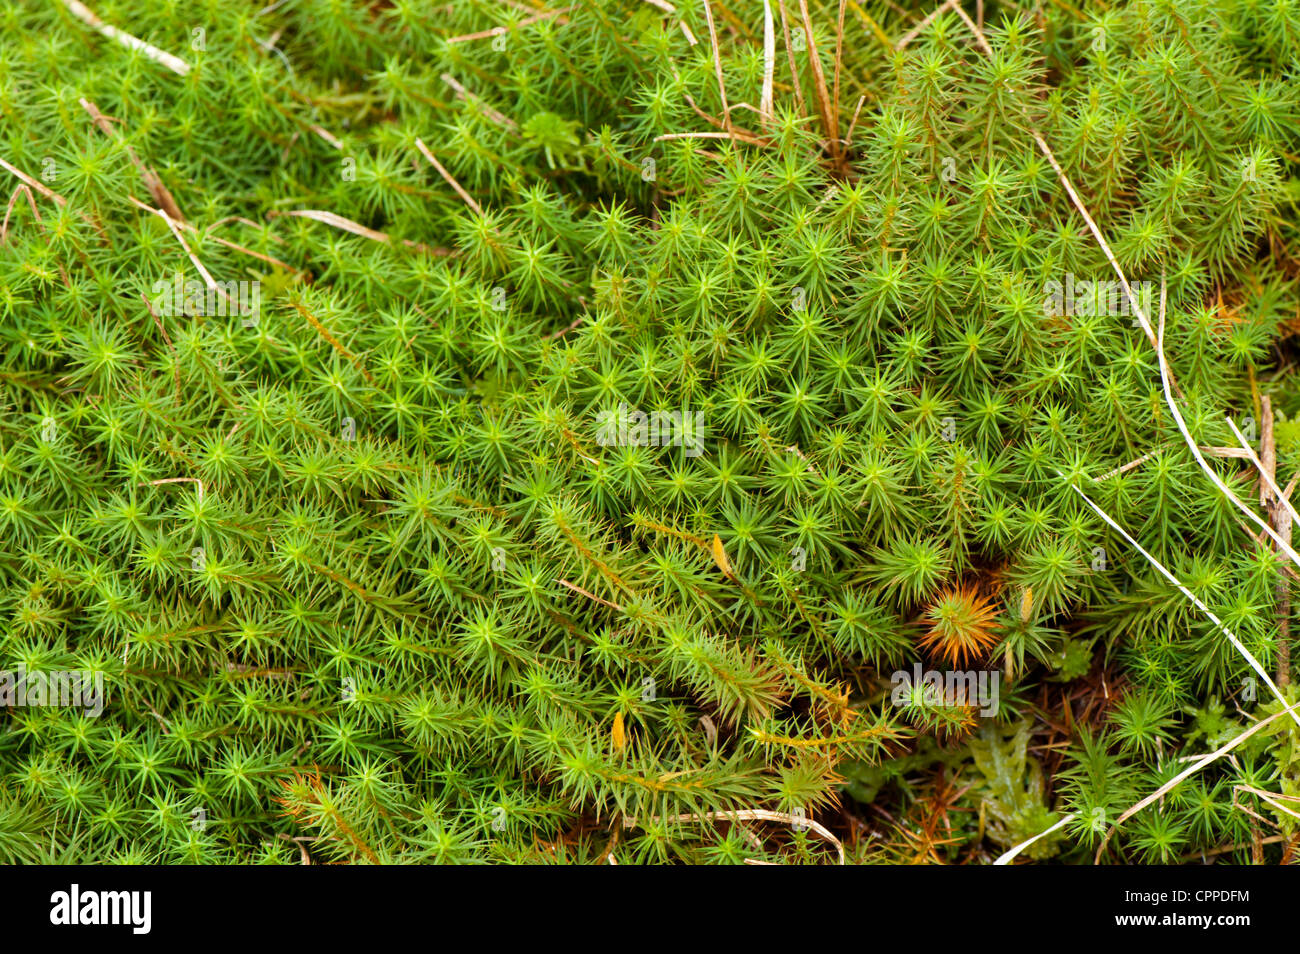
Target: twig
{"x": 567, "y": 328}
{"x": 176, "y": 368}
{"x": 328, "y": 136}
{"x": 28, "y": 180}
{"x": 848, "y": 136}
{"x": 261, "y": 256}
{"x": 1191, "y": 770}
{"x": 488, "y": 111}
{"x": 25, "y": 189}
{"x": 332, "y": 341}
{"x": 839, "y": 64}
{"x": 86, "y": 16}
{"x": 916, "y": 31}
{"x": 1237, "y": 644}
{"x": 590, "y": 596}
{"x": 451, "y": 181}
{"x": 498, "y": 31}
{"x": 1281, "y": 515}
{"x": 1129, "y": 466}
{"x": 1009, "y": 856}
{"x": 735, "y": 136}
{"x": 1271, "y": 798}
{"x": 819, "y": 81}
{"x": 789, "y": 53}
{"x": 759, "y": 814}
{"x": 717, "y": 65}
{"x": 302, "y": 847}
{"x": 769, "y": 64}
{"x": 152, "y": 182}
{"x": 1270, "y": 493}
{"x": 347, "y": 225}
{"x": 207, "y": 277}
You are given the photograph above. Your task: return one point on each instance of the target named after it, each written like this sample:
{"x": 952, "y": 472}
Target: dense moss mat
{"x": 591, "y": 454}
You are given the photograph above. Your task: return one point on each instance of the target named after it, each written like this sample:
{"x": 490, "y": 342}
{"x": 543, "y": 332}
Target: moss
{"x": 518, "y": 454}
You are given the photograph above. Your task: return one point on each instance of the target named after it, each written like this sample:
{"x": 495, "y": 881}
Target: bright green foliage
{"x": 380, "y": 569}
{"x": 1013, "y": 790}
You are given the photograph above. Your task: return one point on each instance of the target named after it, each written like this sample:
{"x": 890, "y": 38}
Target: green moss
{"x": 608, "y": 475}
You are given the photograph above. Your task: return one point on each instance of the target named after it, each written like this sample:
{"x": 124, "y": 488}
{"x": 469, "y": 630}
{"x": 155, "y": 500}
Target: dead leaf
{"x": 721, "y": 559}
{"x": 619, "y": 736}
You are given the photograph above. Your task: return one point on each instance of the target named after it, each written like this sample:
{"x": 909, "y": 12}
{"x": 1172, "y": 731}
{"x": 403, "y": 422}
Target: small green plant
{"x": 521, "y": 433}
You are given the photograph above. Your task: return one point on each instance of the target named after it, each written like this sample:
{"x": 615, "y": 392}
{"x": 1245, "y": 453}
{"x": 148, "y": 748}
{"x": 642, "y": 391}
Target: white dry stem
{"x": 21, "y": 190}
{"x": 176, "y": 480}
{"x": 356, "y": 228}
{"x": 175, "y": 229}
{"x": 1008, "y": 856}
{"x": 1124, "y": 469}
{"x": 328, "y": 136}
{"x": 1283, "y": 545}
{"x": 501, "y": 31}
{"x": 488, "y": 111}
{"x": 87, "y": 16}
{"x": 769, "y": 63}
{"x": 1237, "y": 644}
{"x": 185, "y": 226}
{"x": 1271, "y": 798}
{"x": 760, "y": 814}
{"x": 1156, "y": 338}
{"x": 1263, "y": 473}
{"x": 916, "y": 31}
{"x": 1193, "y": 769}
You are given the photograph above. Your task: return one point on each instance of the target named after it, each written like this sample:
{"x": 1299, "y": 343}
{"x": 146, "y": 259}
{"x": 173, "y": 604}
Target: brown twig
{"x": 333, "y": 342}
{"x": 916, "y": 31}
{"x": 819, "y": 82}
{"x": 261, "y": 256}
{"x": 29, "y": 181}
{"x": 717, "y": 65}
{"x": 26, "y": 190}
{"x": 789, "y": 52}
{"x": 176, "y": 368}
{"x": 152, "y": 182}
{"x": 590, "y": 596}
{"x": 450, "y": 179}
